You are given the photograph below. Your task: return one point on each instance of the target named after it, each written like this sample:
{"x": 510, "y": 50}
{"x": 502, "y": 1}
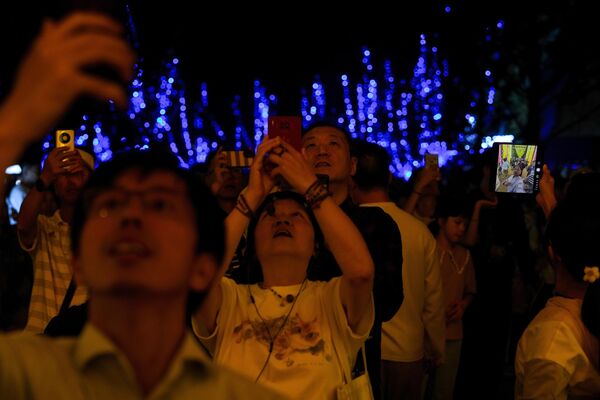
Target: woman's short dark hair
{"x": 250, "y": 270}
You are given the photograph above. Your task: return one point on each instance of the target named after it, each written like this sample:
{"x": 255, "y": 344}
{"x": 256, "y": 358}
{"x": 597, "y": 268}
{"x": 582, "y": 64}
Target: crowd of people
{"x": 148, "y": 280}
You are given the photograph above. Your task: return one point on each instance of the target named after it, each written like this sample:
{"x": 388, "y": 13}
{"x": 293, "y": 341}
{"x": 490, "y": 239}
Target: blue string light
{"x": 405, "y": 116}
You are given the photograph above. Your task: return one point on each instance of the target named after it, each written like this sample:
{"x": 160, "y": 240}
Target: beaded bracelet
{"x": 316, "y": 202}
{"x": 315, "y": 194}
{"x": 243, "y": 207}
{"x": 314, "y": 186}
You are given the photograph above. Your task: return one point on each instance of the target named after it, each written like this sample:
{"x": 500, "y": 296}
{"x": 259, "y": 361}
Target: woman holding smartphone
{"x": 286, "y": 331}
{"x": 558, "y": 354}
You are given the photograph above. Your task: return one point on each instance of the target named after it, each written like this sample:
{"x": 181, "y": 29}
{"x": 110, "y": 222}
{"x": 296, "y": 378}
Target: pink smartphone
{"x": 289, "y": 128}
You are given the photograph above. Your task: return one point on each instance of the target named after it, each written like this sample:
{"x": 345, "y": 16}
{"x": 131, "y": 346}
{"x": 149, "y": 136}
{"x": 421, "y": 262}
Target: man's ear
{"x": 204, "y": 271}
{"x": 353, "y": 162}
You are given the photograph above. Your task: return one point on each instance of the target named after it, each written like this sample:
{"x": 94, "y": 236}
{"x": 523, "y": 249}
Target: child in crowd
{"x": 458, "y": 282}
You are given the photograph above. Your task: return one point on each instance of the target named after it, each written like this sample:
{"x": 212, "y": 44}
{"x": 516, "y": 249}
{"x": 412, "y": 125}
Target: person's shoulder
{"x": 549, "y": 339}
{"x": 562, "y": 311}
{"x": 550, "y": 326}
{"x": 415, "y": 224}
{"x": 231, "y": 286}
{"x": 23, "y": 346}
{"x": 405, "y": 220}
{"x": 372, "y": 215}
{"x": 375, "y": 225}
{"x": 322, "y": 285}
{"x": 21, "y": 338}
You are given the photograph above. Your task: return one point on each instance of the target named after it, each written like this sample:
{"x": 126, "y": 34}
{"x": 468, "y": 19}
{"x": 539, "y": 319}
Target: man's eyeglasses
{"x": 157, "y": 201}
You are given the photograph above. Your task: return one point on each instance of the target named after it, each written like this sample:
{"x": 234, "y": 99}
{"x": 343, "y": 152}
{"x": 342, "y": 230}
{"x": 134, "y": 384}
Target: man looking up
{"x": 146, "y": 240}
{"x": 326, "y": 147}
{"x": 417, "y": 333}
{"x": 47, "y": 238}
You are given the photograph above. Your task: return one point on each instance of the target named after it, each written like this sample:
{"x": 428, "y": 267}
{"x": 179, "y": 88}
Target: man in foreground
{"x": 146, "y": 242}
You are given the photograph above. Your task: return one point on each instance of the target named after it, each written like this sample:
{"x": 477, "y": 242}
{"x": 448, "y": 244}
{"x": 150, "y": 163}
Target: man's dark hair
{"x": 329, "y": 124}
{"x": 209, "y": 224}
{"x": 372, "y": 167}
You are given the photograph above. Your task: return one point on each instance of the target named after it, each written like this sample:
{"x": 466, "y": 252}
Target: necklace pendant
{"x": 289, "y": 298}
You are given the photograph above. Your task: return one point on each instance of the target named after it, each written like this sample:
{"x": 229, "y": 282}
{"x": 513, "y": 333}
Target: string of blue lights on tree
{"x": 406, "y": 116}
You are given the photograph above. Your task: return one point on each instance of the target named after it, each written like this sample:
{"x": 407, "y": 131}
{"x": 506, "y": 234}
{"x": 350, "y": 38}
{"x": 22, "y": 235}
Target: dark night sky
{"x": 284, "y": 49}
{"x": 298, "y": 39}
{"x": 230, "y": 45}
{"x": 285, "y": 46}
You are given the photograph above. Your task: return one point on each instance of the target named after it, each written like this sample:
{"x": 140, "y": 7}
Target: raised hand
{"x": 427, "y": 176}
{"x": 546, "y": 198}
{"x": 60, "y": 160}
{"x": 260, "y": 182}
{"x": 52, "y": 75}
{"x": 291, "y": 165}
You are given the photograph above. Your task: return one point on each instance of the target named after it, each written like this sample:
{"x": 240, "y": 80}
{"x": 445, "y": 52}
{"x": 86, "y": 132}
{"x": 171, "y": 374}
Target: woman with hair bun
{"x": 558, "y": 354}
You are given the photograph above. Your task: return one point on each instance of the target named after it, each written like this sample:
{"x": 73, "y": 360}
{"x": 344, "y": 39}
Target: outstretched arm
{"x": 472, "y": 235}
{"x": 427, "y": 176}
{"x": 259, "y": 185}
{"x": 52, "y": 76}
{"x": 60, "y": 160}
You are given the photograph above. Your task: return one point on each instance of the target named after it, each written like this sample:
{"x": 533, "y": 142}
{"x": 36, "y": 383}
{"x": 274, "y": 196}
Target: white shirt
{"x": 557, "y": 357}
{"x": 90, "y": 367}
{"x": 52, "y": 272}
{"x": 421, "y": 315}
{"x": 311, "y": 341}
